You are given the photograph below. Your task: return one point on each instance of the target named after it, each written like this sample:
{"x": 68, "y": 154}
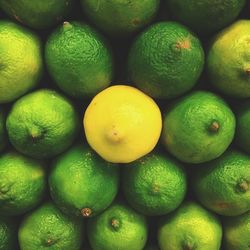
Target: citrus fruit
{"x": 118, "y": 227}
{"x": 190, "y": 227}
{"x": 79, "y": 59}
{"x": 166, "y": 60}
{"x": 42, "y": 124}
{"x": 2, "y": 129}
{"x": 81, "y": 183}
{"x": 242, "y": 136}
{"x": 22, "y": 183}
{"x": 8, "y": 230}
{"x": 21, "y": 61}
{"x": 230, "y": 72}
{"x": 154, "y": 184}
{"x": 198, "y": 127}
{"x": 223, "y": 185}
{"x": 120, "y": 17}
{"x": 200, "y": 16}
{"x": 37, "y": 14}
{"x": 237, "y": 231}
{"x": 48, "y": 228}
{"x": 122, "y": 124}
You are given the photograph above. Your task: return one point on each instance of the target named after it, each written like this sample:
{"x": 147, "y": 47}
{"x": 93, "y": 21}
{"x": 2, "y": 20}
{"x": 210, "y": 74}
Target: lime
{"x": 154, "y": 184}
{"x": 42, "y": 124}
{"x": 21, "y": 61}
{"x": 166, "y": 60}
{"x": 79, "y": 59}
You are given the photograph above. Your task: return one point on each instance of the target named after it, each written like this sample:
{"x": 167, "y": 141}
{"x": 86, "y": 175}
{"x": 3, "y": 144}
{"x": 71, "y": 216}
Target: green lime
{"x": 223, "y": 185}
{"x": 190, "y": 227}
{"x": 42, "y": 124}
{"x": 206, "y": 16}
{"x": 118, "y": 227}
{"x": 230, "y": 72}
{"x": 79, "y": 60}
{"x": 236, "y": 232}
{"x": 82, "y": 183}
{"x": 120, "y": 17}
{"x": 166, "y": 60}
{"x": 48, "y": 228}
{"x": 20, "y": 61}
{"x": 198, "y": 127}
{"x": 22, "y": 183}
{"x": 7, "y": 233}
{"x": 154, "y": 184}
{"x": 3, "y": 137}
{"x": 242, "y": 136}
{"x": 37, "y": 14}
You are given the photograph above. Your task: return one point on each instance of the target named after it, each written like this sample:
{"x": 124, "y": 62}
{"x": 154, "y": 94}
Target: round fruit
{"x": 120, "y": 17}
{"x": 2, "y": 129}
{"x": 154, "y": 184}
{"x": 122, "y": 124}
{"x": 236, "y": 232}
{"x": 223, "y": 185}
{"x": 22, "y": 183}
{"x": 42, "y": 124}
{"x": 37, "y": 14}
{"x": 79, "y": 60}
{"x": 230, "y": 72}
{"x": 83, "y": 184}
{"x": 243, "y": 123}
{"x": 198, "y": 127}
{"x": 7, "y": 234}
{"x": 166, "y": 60}
{"x": 48, "y": 228}
{"x": 118, "y": 227}
{"x": 190, "y": 227}
{"x": 200, "y": 16}
{"x": 21, "y": 61}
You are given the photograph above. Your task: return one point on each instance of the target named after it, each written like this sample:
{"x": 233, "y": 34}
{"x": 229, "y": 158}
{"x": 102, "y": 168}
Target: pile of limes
{"x": 124, "y": 125}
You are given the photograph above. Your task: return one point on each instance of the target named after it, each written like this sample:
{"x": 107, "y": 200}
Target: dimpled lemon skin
{"x": 20, "y": 61}
{"x": 122, "y": 124}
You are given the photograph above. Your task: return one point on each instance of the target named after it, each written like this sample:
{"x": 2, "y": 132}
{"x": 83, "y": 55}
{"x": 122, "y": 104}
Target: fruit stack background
{"x": 169, "y": 178}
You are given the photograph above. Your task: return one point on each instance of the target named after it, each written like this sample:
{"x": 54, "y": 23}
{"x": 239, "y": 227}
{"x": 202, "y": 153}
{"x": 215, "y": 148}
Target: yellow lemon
{"x": 122, "y": 124}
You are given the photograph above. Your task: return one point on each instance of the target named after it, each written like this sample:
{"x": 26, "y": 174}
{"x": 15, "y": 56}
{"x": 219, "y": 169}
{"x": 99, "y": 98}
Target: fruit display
{"x": 124, "y": 125}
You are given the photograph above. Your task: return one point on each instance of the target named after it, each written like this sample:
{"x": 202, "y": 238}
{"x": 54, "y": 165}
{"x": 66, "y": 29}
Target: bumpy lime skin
{"x": 37, "y": 14}
{"x": 22, "y": 183}
{"x": 155, "y": 184}
{"x": 242, "y": 136}
{"x": 229, "y": 72}
{"x": 83, "y": 184}
{"x": 42, "y": 124}
{"x": 79, "y": 59}
{"x": 8, "y": 233}
{"x": 166, "y": 60}
{"x": 198, "y": 127}
{"x": 3, "y": 136}
{"x": 236, "y": 232}
{"x": 223, "y": 185}
{"x": 120, "y": 18}
{"x": 190, "y": 227}
{"x": 21, "y": 64}
{"x": 118, "y": 227}
{"x": 200, "y": 16}
{"x": 48, "y": 228}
